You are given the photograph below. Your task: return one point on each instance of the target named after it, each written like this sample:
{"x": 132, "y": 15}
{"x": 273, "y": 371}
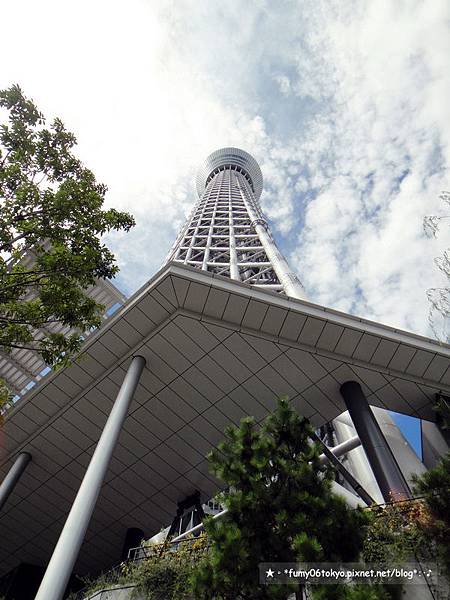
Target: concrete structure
{"x": 434, "y": 444}
{"x": 356, "y": 460}
{"x": 388, "y": 474}
{"x": 227, "y": 233}
{"x": 216, "y": 348}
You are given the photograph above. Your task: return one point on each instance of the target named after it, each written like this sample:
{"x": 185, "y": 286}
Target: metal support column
{"x": 366, "y": 497}
{"x": 389, "y": 477}
{"x": 14, "y": 474}
{"x": 340, "y": 449}
{"x": 68, "y": 546}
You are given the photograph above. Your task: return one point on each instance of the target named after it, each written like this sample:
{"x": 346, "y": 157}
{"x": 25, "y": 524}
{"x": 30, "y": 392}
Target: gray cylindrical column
{"x": 341, "y": 449}
{"x": 8, "y": 484}
{"x": 389, "y": 477}
{"x": 66, "y": 550}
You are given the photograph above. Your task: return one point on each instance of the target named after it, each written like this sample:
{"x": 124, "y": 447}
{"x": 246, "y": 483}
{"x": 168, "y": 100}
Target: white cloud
{"x": 388, "y": 65}
{"x": 144, "y": 115}
{"x": 345, "y": 106}
{"x": 284, "y": 84}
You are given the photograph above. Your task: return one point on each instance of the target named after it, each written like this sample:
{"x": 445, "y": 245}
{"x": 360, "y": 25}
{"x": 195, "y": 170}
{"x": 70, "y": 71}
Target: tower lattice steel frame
{"x": 227, "y": 232}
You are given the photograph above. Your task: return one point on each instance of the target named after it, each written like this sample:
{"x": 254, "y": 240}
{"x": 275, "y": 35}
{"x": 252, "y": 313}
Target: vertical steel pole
{"x": 389, "y": 477}
{"x": 68, "y": 546}
{"x": 14, "y": 474}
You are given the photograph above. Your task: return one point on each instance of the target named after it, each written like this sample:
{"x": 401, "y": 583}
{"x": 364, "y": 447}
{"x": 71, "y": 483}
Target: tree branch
{"x": 25, "y": 215}
{"x": 40, "y": 272}
{"x": 4, "y": 247}
{"x": 29, "y": 321}
{"x": 5, "y": 157}
{"x": 3, "y": 345}
{"x": 22, "y": 284}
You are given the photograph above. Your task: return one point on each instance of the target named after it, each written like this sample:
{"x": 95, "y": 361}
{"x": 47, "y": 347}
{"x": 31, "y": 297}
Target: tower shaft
{"x": 227, "y": 233}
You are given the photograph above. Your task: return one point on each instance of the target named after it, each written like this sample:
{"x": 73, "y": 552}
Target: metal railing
{"x": 122, "y": 574}
{"x": 147, "y": 550}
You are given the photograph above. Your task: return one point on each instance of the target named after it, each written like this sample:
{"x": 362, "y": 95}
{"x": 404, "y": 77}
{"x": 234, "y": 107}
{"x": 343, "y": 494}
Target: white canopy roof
{"x": 216, "y": 350}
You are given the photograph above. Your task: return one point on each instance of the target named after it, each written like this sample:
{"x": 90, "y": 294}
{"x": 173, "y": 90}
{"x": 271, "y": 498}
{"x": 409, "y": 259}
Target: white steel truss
{"x": 227, "y": 233}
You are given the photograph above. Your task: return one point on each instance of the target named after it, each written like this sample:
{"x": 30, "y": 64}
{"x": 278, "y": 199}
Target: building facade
{"x": 117, "y": 440}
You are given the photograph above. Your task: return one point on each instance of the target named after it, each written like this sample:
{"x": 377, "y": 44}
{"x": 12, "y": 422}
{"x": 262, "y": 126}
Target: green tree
{"x": 50, "y": 206}
{"x": 5, "y": 397}
{"x": 352, "y": 592}
{"x": 434, "y": 486}
{"x": 280, "y": 509}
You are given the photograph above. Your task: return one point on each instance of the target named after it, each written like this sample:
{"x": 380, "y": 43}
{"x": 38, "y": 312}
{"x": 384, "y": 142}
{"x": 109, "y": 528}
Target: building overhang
{"x": 216, "y": 350}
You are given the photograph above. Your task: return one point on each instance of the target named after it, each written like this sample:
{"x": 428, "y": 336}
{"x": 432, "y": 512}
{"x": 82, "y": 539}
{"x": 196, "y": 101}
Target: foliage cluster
{"x": 418, "y": 529}
{"x": 395, "y": 536}
{"x": 434, "y": 486}
{"x": 396, "y": 533}
{"x": 280, "y": 509}
{"x": 168, "y": 575}
{"x": 50, "y": 207}
{"x": 5, "y": 396}
{"x": 165, "y": 573}
{"x": 351, "y": 592}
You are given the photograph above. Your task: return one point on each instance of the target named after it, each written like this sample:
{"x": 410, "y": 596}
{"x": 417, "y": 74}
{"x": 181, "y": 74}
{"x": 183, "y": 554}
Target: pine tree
{"x": 280, "y": 509}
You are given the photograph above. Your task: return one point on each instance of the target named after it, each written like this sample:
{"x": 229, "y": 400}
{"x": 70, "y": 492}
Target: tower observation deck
{"x": 227, "y": 232}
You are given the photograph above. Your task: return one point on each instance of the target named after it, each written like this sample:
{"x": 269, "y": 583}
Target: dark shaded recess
{"x": 22, "y": 583}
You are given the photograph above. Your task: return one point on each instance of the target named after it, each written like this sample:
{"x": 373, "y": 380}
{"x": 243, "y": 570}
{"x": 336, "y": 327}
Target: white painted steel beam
{"x": 342, "y": 449}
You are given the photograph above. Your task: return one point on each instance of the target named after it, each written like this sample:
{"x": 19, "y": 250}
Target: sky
{"x": 345, "y": 105}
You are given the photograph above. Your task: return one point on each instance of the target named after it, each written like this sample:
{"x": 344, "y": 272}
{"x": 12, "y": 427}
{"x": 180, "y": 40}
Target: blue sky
{"x": 411, "y": 430}
{"x": 344, "y": 104}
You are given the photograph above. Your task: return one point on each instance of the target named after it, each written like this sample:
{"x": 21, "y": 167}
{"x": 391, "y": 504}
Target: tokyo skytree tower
{"x": 227, "y": 233}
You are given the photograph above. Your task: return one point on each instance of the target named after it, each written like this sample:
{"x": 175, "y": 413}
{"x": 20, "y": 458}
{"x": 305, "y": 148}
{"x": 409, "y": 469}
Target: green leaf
{"x": 50, "y": 211}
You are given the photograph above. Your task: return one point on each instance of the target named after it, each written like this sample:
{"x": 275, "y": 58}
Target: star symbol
{"x": 269, "y": 573}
